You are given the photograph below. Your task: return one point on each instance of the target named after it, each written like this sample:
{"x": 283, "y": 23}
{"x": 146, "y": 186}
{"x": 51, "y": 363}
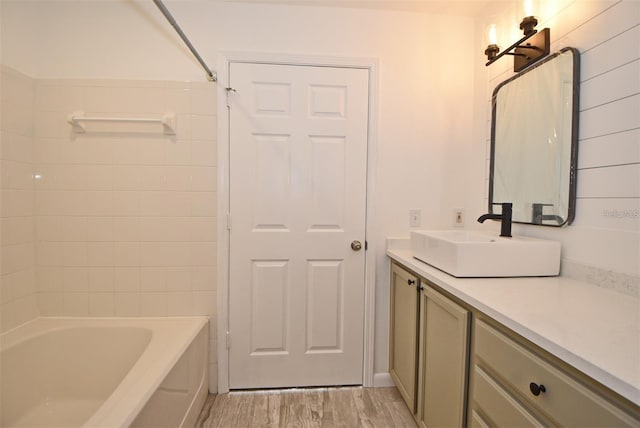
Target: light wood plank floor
{"x": 347, "y": 407}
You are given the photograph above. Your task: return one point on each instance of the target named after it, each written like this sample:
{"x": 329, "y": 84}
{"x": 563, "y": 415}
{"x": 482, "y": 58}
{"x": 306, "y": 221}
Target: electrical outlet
{"x": 415, "y": 218}
{"x": 458, "y": 217}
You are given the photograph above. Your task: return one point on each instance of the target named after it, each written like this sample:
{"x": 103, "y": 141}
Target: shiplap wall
{"x": 606, "y": 230}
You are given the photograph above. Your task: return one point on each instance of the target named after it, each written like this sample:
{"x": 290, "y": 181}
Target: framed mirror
{"x": 534, "y": 141}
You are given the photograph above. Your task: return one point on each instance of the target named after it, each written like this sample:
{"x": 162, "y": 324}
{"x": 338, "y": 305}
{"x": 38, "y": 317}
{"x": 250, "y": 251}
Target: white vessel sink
{"x": 467, "y": 254}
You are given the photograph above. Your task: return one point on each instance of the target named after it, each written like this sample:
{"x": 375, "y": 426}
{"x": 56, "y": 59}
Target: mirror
{"x": 534, "y": 141}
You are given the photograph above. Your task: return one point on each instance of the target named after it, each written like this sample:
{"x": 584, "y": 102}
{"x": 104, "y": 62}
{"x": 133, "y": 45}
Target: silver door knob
{"x": 356, "y": 246}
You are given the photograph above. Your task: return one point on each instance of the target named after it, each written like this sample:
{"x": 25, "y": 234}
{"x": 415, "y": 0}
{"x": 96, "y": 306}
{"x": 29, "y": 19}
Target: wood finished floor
{"x": 346, "y": 407}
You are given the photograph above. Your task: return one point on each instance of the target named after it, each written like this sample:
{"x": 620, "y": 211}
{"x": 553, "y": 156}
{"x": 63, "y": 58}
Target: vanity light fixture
{"x": 534, "y": 46}
{"x": 492, "y": 49}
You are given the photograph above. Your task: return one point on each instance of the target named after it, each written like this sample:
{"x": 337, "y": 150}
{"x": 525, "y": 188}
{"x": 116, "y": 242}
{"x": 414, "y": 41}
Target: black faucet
{"x": 537, "y": 217}
{"x": 505, "y": 218}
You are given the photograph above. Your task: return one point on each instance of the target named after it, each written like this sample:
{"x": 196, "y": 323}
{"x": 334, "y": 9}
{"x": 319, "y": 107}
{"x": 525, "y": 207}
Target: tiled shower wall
{"x": 18, "y": 284}
{"x": 124, "y": 215}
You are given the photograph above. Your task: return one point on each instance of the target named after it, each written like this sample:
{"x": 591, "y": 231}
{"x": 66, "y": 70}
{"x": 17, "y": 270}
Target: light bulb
{"x": 493, "y": 35}
{"x": 528, "y": 7}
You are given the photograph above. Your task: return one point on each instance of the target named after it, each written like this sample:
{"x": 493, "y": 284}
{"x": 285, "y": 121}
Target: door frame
{"x": 223, "y": 194}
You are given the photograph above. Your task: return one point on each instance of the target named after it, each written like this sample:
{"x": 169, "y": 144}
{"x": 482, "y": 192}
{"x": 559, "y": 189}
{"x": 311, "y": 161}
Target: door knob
{"x": 356, "y": 245}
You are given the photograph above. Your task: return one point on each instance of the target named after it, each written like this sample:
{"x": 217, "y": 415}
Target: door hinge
{"x": 229, "y": 91}
{"x": 228, "y": 221}
{"x": 228, "y": 340}
{"x": 366, "y": 245}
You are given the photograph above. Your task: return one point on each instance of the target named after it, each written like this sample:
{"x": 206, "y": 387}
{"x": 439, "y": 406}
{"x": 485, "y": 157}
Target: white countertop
{"x": 594, "y": 329}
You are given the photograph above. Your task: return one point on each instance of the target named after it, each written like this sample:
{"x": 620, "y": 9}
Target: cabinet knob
{"x": 536, "y": 389}
{"x": 411, "y": 281}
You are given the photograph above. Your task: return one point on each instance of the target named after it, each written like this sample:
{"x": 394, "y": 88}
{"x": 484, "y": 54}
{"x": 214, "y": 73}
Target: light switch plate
{"x": 415, "y": 218}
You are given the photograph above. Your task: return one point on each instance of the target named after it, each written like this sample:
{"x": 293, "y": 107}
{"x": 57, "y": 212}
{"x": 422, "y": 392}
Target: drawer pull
{"x": 411, "y": 281}
{"x": 536, "y": 389}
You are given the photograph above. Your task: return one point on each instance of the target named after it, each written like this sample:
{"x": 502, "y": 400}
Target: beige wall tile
{"x": 102, "y": 304}
{"x": 98, "y": 203}
{"x": 50, "y": 304}
{"x": 179, "y": 279}
{"x": 101, "y": 279}
{"x": 100, "y": 254}
{"x": 203, "y": 153}
{"x": 48, "y": 228}
{"x": 48, "y": 254}
{"x": 75, "y": 279}
{"x": 17, "y": 257}
{"x": 121, "y": 220}
{"x": 16, "y": 230}
{"x": 74, "y": 254}
{"x": 153, "y": 304}
{"x": 203, "y": 278}
{"x": 203, "y": 127}
{"x": 50, "y": 279}
{"x": 100, "y": 228}
{"x": 126, "y": 279}
{"x": 178, "y": 152}
{"x": 17, "y": 203}
{"x": 75, "y": 304}
{"x": 126, "y": 229}
{"x": 73, "y": 228}
{"x": 16, "y": 147}
{"x": 126, "y": 203}
{"x": 179, "y": 304}
{"x": 204, "y": 303}
{"x": 153, "y": 279}
{"x": 127, "y": 304}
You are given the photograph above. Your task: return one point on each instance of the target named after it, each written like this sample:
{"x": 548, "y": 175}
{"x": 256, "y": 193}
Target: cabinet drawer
{"x": 564, "y": 400}
{"x": 503, "y": 409}
{"x": 477, "y": 421}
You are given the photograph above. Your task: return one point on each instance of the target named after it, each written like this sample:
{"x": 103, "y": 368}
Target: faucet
{"x": 505, "y": 218}
{"x": 537, "y": 217}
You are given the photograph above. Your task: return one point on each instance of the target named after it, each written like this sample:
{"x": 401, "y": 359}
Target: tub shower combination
{"x": 107, "y": 372}
{"x": 104, "y": 372}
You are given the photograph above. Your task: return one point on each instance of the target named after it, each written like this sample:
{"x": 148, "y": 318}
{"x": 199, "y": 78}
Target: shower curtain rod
{"x": 211, "y": 75}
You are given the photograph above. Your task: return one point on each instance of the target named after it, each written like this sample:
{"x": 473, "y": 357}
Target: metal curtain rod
{"x": 212, "y": 75}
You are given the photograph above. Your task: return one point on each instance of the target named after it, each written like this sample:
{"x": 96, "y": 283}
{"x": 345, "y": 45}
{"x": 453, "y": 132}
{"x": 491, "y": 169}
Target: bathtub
{"x": 104, "y": 372}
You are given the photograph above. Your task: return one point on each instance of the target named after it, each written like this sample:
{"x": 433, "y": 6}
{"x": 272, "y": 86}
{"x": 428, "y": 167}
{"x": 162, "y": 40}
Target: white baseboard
{"x": 382, "y": 380}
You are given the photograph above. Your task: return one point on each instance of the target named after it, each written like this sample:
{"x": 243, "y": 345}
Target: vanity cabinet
{"x": 403, "y": 338}
{"x": 428, "y": 357}
{"x": 457, "y": 367}
{"x": 512, "y": 385}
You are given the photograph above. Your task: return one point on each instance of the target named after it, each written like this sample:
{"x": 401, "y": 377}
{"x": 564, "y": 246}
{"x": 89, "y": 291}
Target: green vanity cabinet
{"x": 429, "y": 337}
{"x": 457, "y": 367}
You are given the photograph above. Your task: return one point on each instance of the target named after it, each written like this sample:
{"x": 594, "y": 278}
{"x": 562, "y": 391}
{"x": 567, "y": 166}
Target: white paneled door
{"x": 298, "y": 160}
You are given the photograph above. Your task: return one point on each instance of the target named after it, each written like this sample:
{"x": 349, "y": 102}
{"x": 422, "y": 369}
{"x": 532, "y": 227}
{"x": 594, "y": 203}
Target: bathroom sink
{"x": 466, "y": 254}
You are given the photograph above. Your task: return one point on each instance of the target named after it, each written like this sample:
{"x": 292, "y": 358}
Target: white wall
{"x": 433, "y": 97}
{"x": 605, "y": 236}
{"x": 425, "y": 74}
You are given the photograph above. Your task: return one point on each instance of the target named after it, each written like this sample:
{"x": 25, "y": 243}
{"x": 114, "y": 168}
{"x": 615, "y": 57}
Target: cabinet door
{"x": 403, "y": 339}
{"x": 444, "y": 361}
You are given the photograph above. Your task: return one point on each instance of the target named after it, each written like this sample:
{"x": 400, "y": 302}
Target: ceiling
{"x": 436, "y": 7}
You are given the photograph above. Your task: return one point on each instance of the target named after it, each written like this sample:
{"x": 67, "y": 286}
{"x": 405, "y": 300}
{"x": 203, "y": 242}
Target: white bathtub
{"x": 104, "y": 372}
